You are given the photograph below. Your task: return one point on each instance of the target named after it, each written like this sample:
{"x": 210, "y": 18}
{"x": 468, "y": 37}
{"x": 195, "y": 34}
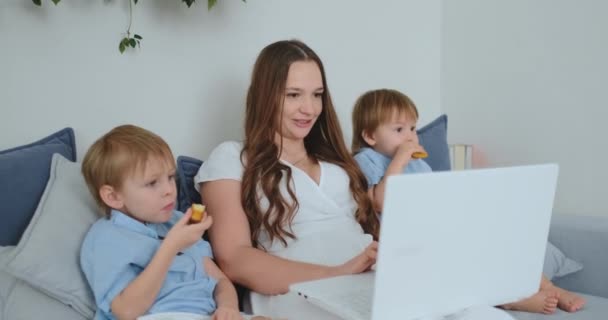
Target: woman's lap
{"x": 294, "y": 307}
{"x": 289, "y": 306}
{"x": 480, "y": 313}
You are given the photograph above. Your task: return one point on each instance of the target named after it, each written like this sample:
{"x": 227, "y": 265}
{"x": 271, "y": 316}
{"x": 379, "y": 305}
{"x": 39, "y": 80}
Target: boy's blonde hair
{"x": 118, "y": 154}
{"x": 376, "y": 107}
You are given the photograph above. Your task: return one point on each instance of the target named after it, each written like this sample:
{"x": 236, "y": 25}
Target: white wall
{"x": 60, "y": 66}
{"x": 525, "y": 82}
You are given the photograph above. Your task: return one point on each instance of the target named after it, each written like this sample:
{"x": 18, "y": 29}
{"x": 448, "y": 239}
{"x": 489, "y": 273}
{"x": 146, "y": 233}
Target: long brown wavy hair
{"x": 260, "y": 155}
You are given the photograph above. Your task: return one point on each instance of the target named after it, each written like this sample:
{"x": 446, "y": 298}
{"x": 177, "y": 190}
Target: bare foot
{"x": 544, "y": 301}
{"x": 569, "y": 301}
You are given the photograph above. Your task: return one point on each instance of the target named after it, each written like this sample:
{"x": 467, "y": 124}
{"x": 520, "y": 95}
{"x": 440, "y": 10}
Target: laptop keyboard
{"x": 358, "y": 302}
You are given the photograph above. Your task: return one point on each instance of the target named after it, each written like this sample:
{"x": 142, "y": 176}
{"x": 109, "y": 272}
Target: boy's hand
{"x": 225, "y": 313}
{"x": 406, "y": 149}
{"x": 182, "y": 235}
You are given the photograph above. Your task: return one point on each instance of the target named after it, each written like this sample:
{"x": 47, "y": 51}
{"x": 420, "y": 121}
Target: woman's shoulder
{"x": 224, "y": 162}
{"x": 226, "y": 150}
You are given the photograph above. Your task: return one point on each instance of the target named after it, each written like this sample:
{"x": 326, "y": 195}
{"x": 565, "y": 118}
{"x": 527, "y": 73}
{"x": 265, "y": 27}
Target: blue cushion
{"x": 24, "y": 172}
{"x": 434, "y": 138}
{"x": 187, "y": 167}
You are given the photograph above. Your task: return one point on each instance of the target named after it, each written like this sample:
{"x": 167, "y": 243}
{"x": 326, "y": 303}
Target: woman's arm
{"x": 224, "y": 294}
{"x": 253, "y": 268}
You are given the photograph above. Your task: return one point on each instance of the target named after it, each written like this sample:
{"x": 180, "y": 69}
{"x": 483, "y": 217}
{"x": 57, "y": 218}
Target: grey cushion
{"x": 27, "y": 303}
{"x": 557, "y": 264}
{"x": 584, "y": 239}
{"x": 434, "y": 138}
{"x": 24, "y": 172}
{"x": 47, "y": 256}
{"x": 595, "y": 309}
{"x": 7, "y": 282}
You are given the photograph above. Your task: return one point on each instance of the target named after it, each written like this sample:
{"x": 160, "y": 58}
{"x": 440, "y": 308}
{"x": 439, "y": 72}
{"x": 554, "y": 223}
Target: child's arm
{"x": 376, "y": 192}
{"x": 140, "y": 294}
{"x": 400, "y": 160}
{"x": 224, "y": 293}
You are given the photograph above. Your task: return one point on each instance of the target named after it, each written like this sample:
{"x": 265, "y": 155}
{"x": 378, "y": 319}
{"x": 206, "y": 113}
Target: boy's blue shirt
{"x": 374, "y": 165}
{"x": 116, "y": 250}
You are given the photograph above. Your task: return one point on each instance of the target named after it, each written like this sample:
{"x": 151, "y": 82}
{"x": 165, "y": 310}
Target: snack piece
{"x": 419, "y": 155}
{"x": 198, "y": 213}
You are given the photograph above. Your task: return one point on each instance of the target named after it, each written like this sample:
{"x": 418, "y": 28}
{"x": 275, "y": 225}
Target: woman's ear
{"x": 368, "y": 138}
{"x": 111, "y": 197}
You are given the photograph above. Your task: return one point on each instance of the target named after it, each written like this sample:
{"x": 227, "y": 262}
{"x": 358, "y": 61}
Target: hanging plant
{"x": 39, "y": 2}
{"x": 127, "y": 40}
{"x": 134, "y": 41}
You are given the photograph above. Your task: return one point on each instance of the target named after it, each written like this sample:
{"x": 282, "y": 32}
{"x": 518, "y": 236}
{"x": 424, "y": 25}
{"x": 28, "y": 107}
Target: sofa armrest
{"x": 584, "y": 239}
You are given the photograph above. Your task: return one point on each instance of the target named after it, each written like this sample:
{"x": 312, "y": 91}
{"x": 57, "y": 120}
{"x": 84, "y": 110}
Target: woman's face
{"x": 302, "y": 101}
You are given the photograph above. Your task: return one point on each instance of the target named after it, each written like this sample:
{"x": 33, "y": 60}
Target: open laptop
{"x": 449, "y": 240}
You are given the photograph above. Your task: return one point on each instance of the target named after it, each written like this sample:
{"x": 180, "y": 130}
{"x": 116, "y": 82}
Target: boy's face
{"x": 389, "y": 135}
{"x": 149, "y": 195}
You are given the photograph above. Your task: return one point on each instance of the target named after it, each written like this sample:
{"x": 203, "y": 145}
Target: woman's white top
{"x": 324, "y": 225}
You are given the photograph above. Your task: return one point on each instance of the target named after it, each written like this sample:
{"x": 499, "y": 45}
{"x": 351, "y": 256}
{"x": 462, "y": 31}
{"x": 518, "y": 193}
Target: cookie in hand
{"x": 419, "y": 155}
{"x": 198, "y": 213}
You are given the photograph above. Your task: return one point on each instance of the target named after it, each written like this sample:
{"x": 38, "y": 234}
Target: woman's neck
{"x": 293, "y": 151}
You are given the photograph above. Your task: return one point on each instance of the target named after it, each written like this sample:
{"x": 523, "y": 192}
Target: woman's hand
{"x": 225, "y": 313}
{"x": 362, "y": 262}
{"x": 182, "y": 235}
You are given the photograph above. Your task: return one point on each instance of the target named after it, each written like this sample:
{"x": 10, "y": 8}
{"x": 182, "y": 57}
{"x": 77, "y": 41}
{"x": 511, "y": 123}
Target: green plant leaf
{"x": 132, "y": 43}
{"x": 37, "y": 2}
{"x": 138, "y": 37}
{"x": 124, "y": 44}
{"x": 56, "y": 1}
{"x": 211, "y": 4}
{"x": 188, "y": 2}
{"x": 135, "y": 1}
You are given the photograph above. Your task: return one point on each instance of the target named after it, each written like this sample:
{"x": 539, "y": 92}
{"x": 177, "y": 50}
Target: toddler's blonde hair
{"x": 376, "y": 107}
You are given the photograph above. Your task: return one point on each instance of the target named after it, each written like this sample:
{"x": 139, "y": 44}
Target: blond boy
{"x": 384, "y": 142}
{"x": 143, "y": 257}
{"x": 385, "y": 139}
